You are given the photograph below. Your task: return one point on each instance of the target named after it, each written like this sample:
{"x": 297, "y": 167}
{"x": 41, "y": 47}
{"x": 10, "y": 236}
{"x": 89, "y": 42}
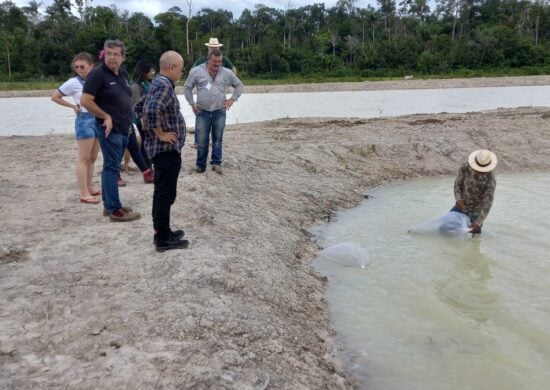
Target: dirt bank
{"x": 360, "y": 86}
{"x": 89, "y": 304}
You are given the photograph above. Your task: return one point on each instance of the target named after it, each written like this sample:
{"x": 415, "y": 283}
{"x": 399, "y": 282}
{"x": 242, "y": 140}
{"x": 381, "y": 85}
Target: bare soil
{"x": 86, "y": 303}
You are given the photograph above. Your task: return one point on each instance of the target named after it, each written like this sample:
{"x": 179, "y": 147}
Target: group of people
{"x": 109, "y": 109}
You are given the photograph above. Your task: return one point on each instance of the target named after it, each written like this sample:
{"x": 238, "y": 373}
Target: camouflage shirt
{"x": 476, "y": 191}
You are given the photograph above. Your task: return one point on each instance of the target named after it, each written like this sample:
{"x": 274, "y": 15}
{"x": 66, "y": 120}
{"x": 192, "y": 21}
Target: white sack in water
{"x": 452, "y": 224}
{"x": 347, "y": 254}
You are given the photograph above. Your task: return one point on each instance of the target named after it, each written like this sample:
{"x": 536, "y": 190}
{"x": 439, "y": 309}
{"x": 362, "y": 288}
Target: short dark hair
{"x": 142, "y": 68}
{"x": 215, "y": 52}
{"x": 110, "y": 43}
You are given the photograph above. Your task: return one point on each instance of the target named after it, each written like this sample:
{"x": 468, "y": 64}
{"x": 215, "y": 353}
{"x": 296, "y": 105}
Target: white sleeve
{"x": 72, "y": 88}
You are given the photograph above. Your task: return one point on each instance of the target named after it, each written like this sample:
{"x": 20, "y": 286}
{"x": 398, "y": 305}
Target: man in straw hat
{"x": 214, "y": 44}
{"x": 211, "y": 81}
{"x": 475, "y": 187}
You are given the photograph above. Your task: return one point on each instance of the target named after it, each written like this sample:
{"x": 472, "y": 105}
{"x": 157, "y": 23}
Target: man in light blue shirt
{"x": 211, "y": 81}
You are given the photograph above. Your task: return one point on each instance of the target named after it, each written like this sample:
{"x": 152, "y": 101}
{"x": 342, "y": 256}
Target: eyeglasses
{"x": 112, "y": 54}
{"x": 79, "y": 67}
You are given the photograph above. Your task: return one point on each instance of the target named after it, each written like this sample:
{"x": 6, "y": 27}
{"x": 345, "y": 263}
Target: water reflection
{"x": 466, "y": 288}
{"x": 431, "y": 312}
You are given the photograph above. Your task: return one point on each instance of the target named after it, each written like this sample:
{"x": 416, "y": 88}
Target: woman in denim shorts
{"x": 88, "y": 146}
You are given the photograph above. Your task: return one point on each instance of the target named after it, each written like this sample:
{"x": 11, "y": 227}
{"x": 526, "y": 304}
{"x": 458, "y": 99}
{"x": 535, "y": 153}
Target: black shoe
{"x": 201, "y": 169}
{"x": 176, "y": 234}
{"x": 166, "y": 245}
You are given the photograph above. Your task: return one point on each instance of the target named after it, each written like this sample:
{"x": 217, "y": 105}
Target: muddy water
{"x": 40, "y": 116}
{"x": 441, "y": 313}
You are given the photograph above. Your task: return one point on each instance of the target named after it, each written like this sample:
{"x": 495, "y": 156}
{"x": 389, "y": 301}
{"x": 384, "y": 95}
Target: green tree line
{"x": 394, "y": 39}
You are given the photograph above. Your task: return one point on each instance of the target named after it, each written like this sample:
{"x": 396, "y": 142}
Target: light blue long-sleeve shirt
{"x": 211, "y": 93}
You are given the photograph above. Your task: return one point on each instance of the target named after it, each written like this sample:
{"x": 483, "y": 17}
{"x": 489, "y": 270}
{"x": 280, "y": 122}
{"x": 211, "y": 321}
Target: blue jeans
{"x": 208, "y": 122}
{"x": 473, "y": 216}
{"x": 84, "y": 125}
{"x": 112, "y": 149}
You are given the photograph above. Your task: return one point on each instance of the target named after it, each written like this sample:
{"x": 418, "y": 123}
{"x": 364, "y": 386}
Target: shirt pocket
{"x": 202, "y": 83}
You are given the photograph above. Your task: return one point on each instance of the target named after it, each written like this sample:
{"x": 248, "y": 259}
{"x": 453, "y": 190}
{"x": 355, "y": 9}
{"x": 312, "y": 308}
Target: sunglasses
{"x": 79, "y": 67}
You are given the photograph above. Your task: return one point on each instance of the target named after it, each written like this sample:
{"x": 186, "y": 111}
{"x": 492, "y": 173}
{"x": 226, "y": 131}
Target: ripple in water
{"x": 441, "y": 313}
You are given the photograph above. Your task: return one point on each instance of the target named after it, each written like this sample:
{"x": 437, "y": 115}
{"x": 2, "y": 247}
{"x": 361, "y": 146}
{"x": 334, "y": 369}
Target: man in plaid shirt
{"x": 164, "y": 130}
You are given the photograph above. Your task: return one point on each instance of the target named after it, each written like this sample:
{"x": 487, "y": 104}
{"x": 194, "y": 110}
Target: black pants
{"x": 136, "y": 153}
{"x": 167, "y": 168}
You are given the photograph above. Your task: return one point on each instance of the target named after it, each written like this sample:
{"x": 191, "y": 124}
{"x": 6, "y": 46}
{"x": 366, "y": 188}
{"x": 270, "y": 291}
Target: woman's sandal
{"x": 95, "y": 193}
{"x": 89, "y": 200}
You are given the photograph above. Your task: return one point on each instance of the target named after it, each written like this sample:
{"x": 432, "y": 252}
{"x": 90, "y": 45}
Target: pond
{"x": 433, "y": 312}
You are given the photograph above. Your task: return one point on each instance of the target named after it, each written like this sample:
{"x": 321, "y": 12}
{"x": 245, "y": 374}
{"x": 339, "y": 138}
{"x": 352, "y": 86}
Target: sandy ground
{"x": 360, "y": 86}
{"x": 86, "y": 303}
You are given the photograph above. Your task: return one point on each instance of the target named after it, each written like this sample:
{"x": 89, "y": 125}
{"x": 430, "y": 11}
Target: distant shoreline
{"x": 478, "y": 82}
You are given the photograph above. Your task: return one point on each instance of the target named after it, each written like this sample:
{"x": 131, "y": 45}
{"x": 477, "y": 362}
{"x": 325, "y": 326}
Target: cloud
{"x": 154, "y": 7}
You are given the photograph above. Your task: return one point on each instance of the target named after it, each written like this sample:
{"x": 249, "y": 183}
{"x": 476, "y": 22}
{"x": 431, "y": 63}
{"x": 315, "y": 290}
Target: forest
{"x": 454, "y": 37}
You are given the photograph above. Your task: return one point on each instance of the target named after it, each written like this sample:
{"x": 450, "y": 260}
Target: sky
{"x": 154, "y": 7}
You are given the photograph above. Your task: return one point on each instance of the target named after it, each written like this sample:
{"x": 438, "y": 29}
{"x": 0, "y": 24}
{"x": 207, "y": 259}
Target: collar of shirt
{"x": 167, "y": 78}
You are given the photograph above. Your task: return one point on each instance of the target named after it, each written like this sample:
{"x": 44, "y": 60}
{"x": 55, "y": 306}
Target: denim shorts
{"x": 84, "y": 125}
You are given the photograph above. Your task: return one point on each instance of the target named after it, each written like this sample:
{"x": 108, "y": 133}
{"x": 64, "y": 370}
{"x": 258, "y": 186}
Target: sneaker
{"x": 148, "y": 176}
{"x": 200, "y": 169}
{"x": 106, "y": 212}
{"x": 123, "y": 215}
{"x": 166, "y": 245}
{"x": 120, "y": 182}
{"x": 217, "y": 169}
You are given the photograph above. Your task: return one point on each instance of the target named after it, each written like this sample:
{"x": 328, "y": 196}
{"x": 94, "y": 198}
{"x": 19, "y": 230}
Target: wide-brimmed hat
{"x": 213, "y": 42}
{"x": 482, "y": 160}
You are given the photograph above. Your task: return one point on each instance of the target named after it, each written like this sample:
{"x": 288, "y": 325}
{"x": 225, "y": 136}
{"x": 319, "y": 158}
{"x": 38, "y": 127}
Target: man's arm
{"x": 487, "y": 201}
{"x": 188, "y": 89}
{"x": 88, "y": 102}
{"x": 153, "y": 106}
{"x": 237, "y": 85}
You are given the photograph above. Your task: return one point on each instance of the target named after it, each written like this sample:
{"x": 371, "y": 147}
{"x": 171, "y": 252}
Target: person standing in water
{"x": 475, "y": 186}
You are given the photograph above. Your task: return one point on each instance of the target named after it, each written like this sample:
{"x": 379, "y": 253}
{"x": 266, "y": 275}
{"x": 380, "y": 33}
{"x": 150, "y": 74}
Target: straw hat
{"x": 482, "y": 160}
{"x": 213, "y": 42}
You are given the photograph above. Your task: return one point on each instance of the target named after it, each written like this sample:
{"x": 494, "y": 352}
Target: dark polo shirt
{"x": 112, "y": 94}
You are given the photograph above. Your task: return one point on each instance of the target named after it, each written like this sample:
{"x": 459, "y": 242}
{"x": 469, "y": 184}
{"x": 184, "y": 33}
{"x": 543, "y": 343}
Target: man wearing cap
{"x": 475, "y": 187}
{"x": 214, "y": 44}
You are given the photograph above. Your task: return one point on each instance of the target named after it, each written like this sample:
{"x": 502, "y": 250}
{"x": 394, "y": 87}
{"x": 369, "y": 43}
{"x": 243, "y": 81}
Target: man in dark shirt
{"x": 164, "y": 130}
{"x": 107, "y": 96}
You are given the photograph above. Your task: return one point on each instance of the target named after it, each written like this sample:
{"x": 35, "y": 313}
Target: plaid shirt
{"x": 160, "y": 108}
{"x": 476, "y": 191}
